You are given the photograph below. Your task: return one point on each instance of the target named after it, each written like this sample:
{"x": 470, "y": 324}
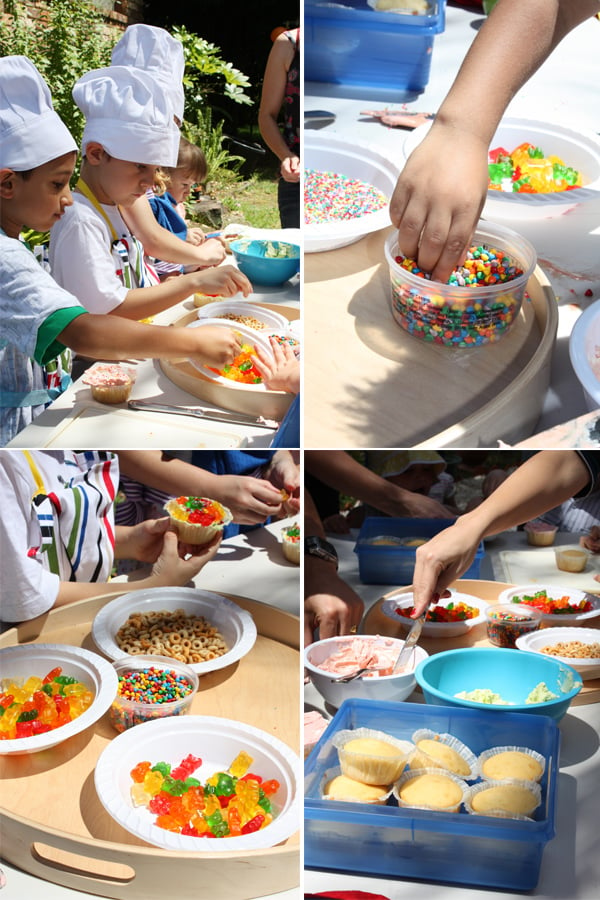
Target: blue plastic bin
{"x": 455, "y": 848}
{"x": 394, "y": 564}
{"x": 369, "y": 49}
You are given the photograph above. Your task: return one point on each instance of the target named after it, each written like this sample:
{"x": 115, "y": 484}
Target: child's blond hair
{"x": 190, "y": 159}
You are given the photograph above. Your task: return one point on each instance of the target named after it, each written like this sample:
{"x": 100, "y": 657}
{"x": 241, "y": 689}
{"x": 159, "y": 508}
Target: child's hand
{"x": 224, "y": 281}
{"x": 212, "y": 252}
{"x": 217, "y": 347}
{"x": 175, "y": 567}
{"x": 282, "y": 373}
{"x": 195, "y": 236}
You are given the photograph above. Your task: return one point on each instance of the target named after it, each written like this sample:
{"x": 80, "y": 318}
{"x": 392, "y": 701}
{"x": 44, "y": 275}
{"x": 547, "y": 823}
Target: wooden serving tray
{"x": 54, "y": 826}
{"x": 244, "y": 399}
{"x": 367, "y": 383}
{"x": 376, "y": 622}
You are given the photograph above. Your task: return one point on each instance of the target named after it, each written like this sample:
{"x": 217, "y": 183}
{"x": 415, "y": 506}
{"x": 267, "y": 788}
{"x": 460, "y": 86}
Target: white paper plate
{"x": 555, "y": 591}
{"x": 235, "y": 624}
{"x": 587, "y": 668}
{"x": 250, "y": 335}
{"x": 24, "y": 660}
{"x": 217, "y": 741}
{"x": 436, "y": 629}
{"x": 273, "y": 321}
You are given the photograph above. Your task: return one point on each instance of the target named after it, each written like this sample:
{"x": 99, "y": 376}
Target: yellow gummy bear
{"x": 240, "y": 764}
{"x": 152, "y": 782}
{"x": 139, "y": 796}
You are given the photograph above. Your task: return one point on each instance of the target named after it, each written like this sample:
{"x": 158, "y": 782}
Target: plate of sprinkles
{"x": 204, "y": 630}
{"x": 176, "y": 782}
{"x": 347, "y": 187}
{"x": 450, "y": 617}
{"x": 558, "y": 605}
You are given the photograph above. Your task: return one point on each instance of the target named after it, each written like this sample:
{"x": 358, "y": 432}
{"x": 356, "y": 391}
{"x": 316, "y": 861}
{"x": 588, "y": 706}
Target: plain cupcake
{"x": 371, "y": 756}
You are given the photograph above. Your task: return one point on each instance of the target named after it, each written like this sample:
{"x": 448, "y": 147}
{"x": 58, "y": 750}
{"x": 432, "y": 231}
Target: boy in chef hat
{"x": 159, "y": 54}
{"x": 39, "y": 319}
{"x": 128, "y": 134}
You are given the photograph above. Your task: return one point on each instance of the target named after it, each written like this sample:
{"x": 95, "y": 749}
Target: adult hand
{"x": 175, "y": 566}
{"x": 439, "y": 197}
{"x": 331, "y": 606}
{"x": 591, "y": 541}
{"x": 441, "y": 561}
{"x": 290, "y": 168}
{"x": 421, "y": 506}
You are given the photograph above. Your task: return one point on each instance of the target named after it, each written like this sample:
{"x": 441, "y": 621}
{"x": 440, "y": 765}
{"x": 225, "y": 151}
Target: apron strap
{"x": 87, "y": 192}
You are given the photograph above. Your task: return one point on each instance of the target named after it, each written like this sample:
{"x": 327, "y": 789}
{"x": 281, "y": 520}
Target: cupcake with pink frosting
{"x": 110, "y": 383}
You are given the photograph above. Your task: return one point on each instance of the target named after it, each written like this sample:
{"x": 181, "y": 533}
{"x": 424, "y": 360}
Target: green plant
{"x": 209, "y": 137}
{"x": 208, "y": 78}
{"x": 68, "y": 39}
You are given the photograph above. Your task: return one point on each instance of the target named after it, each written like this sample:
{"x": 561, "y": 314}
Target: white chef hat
{"x": 155, "y": 51}
{"x": 127, "y": 112}
{"x": 31, "y": 132}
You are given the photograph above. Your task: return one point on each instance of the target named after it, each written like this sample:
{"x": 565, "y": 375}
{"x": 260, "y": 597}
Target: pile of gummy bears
{"x": 41, "y": 704}
{"x": 229, "y": 804}
{"x": 527, "y": 170}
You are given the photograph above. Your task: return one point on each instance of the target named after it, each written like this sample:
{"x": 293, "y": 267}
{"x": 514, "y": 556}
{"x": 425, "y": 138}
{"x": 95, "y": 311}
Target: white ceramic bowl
{"x": 588, "y": 667}
{"x": 217, "y": 741}
{"x": 386, "y": 687}
{"x": 436, "y": 629}
{"x": 249, "y": 335}
{"x": 24, "y": 660}
{"x": 580, "y": 151}
{"x": 584, "y": 350}
{"x": 328, "y": 153}
{"x": 235, "y": 624}
{"x": 555, "y": 591}
{"x": 273, "y": 321}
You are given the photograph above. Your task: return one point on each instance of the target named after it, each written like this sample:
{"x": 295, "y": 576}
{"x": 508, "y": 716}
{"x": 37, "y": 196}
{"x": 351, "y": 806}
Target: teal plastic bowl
{"x": 512, "y": 674}
{"x": 262, "y": 269}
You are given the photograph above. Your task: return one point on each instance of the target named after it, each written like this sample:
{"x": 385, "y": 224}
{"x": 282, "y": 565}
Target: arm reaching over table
{"x": 539, "y": 484}
{"x": 442, "y": 189}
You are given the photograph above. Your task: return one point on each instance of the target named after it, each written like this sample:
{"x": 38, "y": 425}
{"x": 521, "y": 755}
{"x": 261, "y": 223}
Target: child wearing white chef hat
{"x": 39, "y": 319}
{"x": 159, "y": 54}
{"x": 93, "y": 253}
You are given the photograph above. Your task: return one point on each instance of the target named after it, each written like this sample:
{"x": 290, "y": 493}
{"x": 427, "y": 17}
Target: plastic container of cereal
{"x": 470, "y": 316}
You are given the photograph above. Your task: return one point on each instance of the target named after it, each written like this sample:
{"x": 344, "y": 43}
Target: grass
{"x": 243, "y": 201}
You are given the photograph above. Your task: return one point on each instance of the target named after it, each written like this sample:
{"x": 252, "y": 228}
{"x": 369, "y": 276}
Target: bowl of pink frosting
{"x": 336, "y": 657}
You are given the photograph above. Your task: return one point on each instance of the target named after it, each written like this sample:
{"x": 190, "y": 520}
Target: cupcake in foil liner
{"x": 509, "y": 798}
{"x": 513, "y": 763}
{"x": 432, "y": 789}
{"x": 434, "y": 750}
{"x": 371, "y": 756}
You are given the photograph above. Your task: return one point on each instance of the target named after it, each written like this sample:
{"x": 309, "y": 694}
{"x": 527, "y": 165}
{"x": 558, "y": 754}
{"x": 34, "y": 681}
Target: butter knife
{"x": 215, "y": 415}
{"x": 413, "y": 636}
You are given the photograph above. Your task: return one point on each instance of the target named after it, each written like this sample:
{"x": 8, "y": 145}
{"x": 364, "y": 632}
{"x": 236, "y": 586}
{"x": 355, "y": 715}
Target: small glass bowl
{"x": 508, "y": 621}
{"x": 124, "y": 713}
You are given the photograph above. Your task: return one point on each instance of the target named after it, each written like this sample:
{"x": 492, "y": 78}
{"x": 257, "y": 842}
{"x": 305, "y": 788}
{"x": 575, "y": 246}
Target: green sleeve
{"x": 47, "y": 346}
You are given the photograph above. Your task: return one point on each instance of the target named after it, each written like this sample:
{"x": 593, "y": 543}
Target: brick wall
{"x": 119, "y": 13}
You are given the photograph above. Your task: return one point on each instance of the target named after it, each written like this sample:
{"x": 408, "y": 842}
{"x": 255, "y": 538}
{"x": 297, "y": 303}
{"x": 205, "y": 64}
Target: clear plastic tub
{"x": 456, "y": 316}
{"x": 124, "y": 713}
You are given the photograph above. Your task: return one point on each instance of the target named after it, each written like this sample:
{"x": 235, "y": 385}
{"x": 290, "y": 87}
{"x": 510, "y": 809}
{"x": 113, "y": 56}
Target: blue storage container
{"x": 394, "y": 563}
{"x": 445, "y": 847}
{"x": 365, "y": 48}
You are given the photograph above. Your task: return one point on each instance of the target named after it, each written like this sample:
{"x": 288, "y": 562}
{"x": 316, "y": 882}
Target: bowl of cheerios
{"x": 578, "y": 647}
{"x": 204, "y": 630}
